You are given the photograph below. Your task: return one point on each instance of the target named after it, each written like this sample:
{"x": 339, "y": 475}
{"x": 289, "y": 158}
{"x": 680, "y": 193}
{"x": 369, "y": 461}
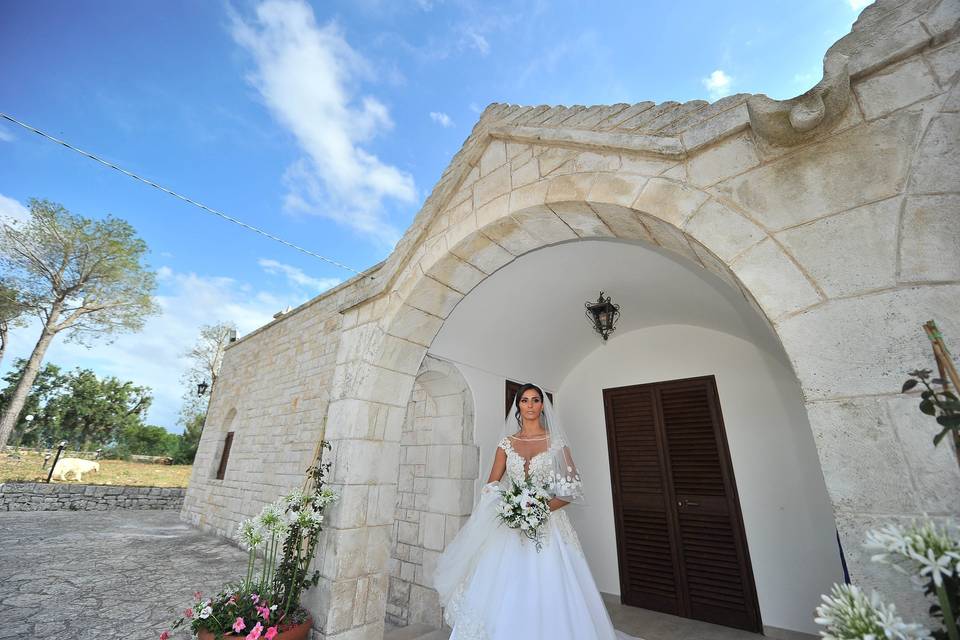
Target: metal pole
{"x": 55, "y": 458}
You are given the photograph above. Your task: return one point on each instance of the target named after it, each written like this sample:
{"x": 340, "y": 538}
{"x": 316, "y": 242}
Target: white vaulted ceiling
{"x": 527, "y": 319}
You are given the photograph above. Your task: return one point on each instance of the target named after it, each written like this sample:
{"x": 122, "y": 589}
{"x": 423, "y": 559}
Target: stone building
{"x": 773, "y": 262}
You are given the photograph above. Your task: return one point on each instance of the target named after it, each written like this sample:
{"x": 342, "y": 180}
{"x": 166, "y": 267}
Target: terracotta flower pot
{"x": 298, "y": 632}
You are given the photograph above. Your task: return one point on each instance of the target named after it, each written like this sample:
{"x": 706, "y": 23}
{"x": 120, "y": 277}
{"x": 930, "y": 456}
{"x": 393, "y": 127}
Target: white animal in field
{"x": 76, "y": 466}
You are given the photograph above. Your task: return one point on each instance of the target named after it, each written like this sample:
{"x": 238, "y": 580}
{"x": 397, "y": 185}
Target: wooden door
{"x": 680, "y": 539}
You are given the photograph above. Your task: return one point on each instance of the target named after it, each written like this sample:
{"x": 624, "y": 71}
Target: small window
{"x": 227, "y": 443}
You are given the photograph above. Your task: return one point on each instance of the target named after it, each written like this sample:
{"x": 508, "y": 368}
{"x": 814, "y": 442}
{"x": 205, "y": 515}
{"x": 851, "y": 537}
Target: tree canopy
{"x": 80, "y": 276}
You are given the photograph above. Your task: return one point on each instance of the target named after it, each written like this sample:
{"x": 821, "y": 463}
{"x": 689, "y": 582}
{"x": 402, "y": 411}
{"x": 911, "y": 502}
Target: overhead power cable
{"x": 175, "y": 194}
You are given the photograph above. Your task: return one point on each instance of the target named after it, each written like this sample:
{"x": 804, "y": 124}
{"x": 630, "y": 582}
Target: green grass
{"x": 112, "y": 472}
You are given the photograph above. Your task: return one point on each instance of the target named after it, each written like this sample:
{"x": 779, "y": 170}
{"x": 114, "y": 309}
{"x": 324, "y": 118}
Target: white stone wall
{"x": 834, "y": 213}
{"x": 435, "y": 489}
{"x": 272, "y": 393}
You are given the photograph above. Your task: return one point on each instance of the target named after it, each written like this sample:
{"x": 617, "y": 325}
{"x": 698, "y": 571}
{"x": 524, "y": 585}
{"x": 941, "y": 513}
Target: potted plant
{"x": 266, "y": 603}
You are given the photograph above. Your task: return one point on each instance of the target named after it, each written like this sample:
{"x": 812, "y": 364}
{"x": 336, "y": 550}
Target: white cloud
{"x": 154, "y": 356}
{"x": 5, "y": 136}
{"x": 307, "y": 75}
{"x": 441, "y": 119}
{"x": 472, "y": 39}
{"x": 718, "y": 84}
{"x": 12, "y": 210}
{"x": 857, "y": 5}
{"x": 297, "y": 276}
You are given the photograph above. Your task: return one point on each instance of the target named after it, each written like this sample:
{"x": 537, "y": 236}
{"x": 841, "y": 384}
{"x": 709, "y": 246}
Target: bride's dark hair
{"x": 516, "y": 401}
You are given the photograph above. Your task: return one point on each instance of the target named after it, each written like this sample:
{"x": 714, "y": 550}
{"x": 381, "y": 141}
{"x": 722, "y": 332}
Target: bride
{"x": 496, "y": 583}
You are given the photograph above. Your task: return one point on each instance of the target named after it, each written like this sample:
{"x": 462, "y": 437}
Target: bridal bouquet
{"x": 525, "y": 507}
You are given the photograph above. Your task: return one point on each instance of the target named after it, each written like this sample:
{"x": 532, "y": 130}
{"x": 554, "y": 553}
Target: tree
{"x": 147, "y": 440}
{"x": 205, "y": 356}
{"x": 49, "y": 383}
{"x": 11, "y": 315}
{"x": 94, "y": 412}
{"x": 80, "y": 276}
{"x": 190, "y": 440}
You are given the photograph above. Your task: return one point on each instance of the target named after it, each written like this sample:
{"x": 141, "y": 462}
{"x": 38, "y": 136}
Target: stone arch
{"x": 435, "y": 488}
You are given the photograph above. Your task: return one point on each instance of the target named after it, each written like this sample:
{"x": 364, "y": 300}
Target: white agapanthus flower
{"x": 271, "y": 518}
{"x": 295, "y": 498}
{"x": 923, "y": 550}
{"x": 249, "y": 533}
{"x": 849, "y": 614}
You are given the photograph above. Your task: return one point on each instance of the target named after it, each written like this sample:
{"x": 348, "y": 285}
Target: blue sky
{"x": 326, "y": 123}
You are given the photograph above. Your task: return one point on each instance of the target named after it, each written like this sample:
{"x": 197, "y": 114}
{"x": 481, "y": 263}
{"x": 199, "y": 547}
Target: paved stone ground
{"x": 105, "y": 575}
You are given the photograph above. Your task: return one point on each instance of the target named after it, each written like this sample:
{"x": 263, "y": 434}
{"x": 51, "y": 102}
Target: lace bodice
{"x": 539, "y": 468}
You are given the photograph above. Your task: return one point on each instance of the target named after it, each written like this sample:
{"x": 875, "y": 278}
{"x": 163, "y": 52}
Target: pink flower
{"x": 255, "y": 598}
{"x": 264, "y": 612}
{"x": 239, "y": 625}
{"x": 197, "y": 595}
{"x": 269, "y": 635}
{"x": 188, "y": 613}
{"x": 255, "y": 632}
{"x": 166, "y": 634}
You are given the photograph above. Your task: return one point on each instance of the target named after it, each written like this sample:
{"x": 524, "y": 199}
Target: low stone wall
{"x": 36, "y": 496}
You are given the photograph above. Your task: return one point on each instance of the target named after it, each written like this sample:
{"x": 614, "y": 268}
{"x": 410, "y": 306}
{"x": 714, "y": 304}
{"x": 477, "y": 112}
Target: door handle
{"x": 687, "y": 503}
{"x": 692, "y": 504}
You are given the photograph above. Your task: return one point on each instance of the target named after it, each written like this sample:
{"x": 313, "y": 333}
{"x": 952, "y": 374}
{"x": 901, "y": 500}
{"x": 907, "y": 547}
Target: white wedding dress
{"x": 495, "y": 585}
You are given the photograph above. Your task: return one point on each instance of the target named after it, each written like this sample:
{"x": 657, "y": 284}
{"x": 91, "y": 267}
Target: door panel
{"x": 669, "y": 458}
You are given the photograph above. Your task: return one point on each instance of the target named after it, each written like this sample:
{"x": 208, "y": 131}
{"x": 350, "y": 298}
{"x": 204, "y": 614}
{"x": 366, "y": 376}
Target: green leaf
{"x": 951, "y": 422}
{"x": 926, "y": 395}
{"x": 937, "y": 438}
{"x": 928, "y": 407}
{"x": 909, "y": 384}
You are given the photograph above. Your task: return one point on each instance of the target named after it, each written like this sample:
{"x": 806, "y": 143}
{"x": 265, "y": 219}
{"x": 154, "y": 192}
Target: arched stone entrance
{"x": 435, "y": 487}
{"x": 497, "y": 215}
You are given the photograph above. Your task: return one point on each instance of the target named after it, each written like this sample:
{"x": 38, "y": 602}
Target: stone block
{"x": 567, "y": 188}
{"x": 669, "y": 237}
{"x": 415, "y": 325}
{"x": 862, "y": 459}
{"x": 425, "y": 607}
{"x": 401, "y": 355}
{"x": 511, "y": 236}
{"x": 482, "y": 252}
{"x": 494, "y": 210}
{"x": 457, "y": 274}
{"x": 774, "y": 280}
{"x": 849, "y": 252}
{"x": 541, "y": 222}
{"x": 581, "y": 219}
{"x": 531, "y": 195}
{"x": 895, "y": 88}
{"x": 644, "y": 165}
{"x": 526, "y": 173}
{"x": 625, "y": 223}
{"x": 935, "y": 166}
{"x": 670, "y": 201}
{"x": 433, "y": 297}
{"x": 720, "y": 126}
{"x": 933, "y": 470}
{"x": 945, "y": 62}
{"x": 491, "y": 186}
{"x": 930, "y": 239}
{"x": 432, "y": 527}
{"x": 724, "y": 231}
{"x": 864, "y": 345}
{"x": 493, "y": 157}
{"x": 552, "y": 159}
{"x": 364, "y": 461}
{"x": 731, "y": 156}
{"x": 615, "y": 189}
{"x": 591, "y": 161}
{"x": 855, "y": 167}
{"x": 450, "y": 496}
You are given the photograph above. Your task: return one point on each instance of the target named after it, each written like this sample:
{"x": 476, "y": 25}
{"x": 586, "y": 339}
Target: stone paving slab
{"x": 105, "y": 575}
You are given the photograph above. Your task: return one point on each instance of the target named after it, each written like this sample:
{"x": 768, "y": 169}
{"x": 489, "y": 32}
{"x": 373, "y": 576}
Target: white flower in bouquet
{"x": 525, "y": 507}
